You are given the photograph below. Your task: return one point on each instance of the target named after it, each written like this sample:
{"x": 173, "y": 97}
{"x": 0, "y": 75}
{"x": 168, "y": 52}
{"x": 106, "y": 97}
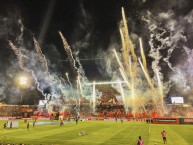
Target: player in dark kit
{"x": 34, "y": 122}
{"x": 76, "y": 119}
{"x": 61, "y": 123}
{"x": 11, "y": 124}
{"x": 5, "y": 125}
{"x": 28, "y": 126}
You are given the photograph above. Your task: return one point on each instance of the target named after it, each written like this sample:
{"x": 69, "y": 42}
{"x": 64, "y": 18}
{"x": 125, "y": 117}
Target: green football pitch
{"x": 97, "y": 133}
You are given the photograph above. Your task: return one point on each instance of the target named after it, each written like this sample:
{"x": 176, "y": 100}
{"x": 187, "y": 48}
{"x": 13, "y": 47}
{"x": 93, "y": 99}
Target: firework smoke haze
{"x": 170, "y": 32}
{"x": 165, "y": 26}
{"x": 20, "y": 58}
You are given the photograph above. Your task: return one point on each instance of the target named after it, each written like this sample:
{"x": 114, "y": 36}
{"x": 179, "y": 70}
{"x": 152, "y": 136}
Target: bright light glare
{"x": 23, "y": 81}
{"x": 177, "y": 100}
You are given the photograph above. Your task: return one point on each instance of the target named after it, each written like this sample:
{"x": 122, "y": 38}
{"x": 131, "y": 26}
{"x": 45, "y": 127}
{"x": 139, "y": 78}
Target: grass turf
{"x": 97, "y": 132}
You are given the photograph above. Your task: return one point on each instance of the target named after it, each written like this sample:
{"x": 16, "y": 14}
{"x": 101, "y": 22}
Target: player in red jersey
{"x": 164, "y": 136}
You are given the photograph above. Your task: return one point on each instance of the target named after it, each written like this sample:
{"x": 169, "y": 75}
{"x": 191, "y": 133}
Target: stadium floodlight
{"x": 23, "y": 81}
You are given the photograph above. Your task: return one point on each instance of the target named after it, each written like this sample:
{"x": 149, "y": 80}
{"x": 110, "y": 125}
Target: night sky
{"x": 91, "y": 28}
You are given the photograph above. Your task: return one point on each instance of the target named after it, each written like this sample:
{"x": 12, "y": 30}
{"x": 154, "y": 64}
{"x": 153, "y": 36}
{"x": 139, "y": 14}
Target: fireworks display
{"x": 148, "y": 70}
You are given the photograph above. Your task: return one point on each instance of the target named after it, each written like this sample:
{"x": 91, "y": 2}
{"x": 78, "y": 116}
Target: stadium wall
{"x": 186, "y": 120}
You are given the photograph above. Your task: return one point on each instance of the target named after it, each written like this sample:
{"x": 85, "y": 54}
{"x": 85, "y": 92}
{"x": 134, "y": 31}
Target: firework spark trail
{"x": 134, "y": 95}
{"x": 128, "y": 42}
{"x": 20, "y": 58}
{"x": 79, "y": 73}
{"x": 154, "y": 92}
{"x": 40, "y": 55}
{"x": 124, "y": 33}
{"x": 124, "y": 78}
{"x": 118, "y": 60}
{"x": 19, "y": 55}
{"x": 80, "y": 68}
{"x": 160, "y": 91}
{"x": 126, "y": 56}
{"x": 132, "y": 71}
{"x": 69, "y": 52}
{"x": 77, "y": 93}
{"x": 67, "y": 76}
{"x": 145, "y": 63}
{"x": 130, "y": 67}
{"x": 82, "y": 76}
{"x": 127, "y": 46}
{"x": 43, "y": 60}
{"x": 125, "y": 52}
{"x": 123, "y": 41}
{"x": 123, "y": 96}
{"x": 143, "y": 55}
{"x": 94, "y": 96}
{"x": 122, "y": 68}
{"x": 133, "y": 100}
{"x": 80, "y": 86}
{"x": 132, "y": 88}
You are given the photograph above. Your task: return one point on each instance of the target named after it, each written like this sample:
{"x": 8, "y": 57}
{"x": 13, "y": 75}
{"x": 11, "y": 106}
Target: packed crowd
{"x": 11, "y": 110}
{"x": 16, "y": 111}
{"x": 105, "y": 111}
{"x": 178, "y": 110}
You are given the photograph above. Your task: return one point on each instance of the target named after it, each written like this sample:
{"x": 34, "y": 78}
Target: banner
{"x": 165, "y": 120}
{"x": 13, "y": 124}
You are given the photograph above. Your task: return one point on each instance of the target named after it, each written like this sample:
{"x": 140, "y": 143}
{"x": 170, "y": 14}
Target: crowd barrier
{"x": 13, "y": 118}
{"x": 160, "y": 120}
{"x": 113, "y": 119}
{"x": 172, "y": 120}
{"x": 186, "y": 120}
